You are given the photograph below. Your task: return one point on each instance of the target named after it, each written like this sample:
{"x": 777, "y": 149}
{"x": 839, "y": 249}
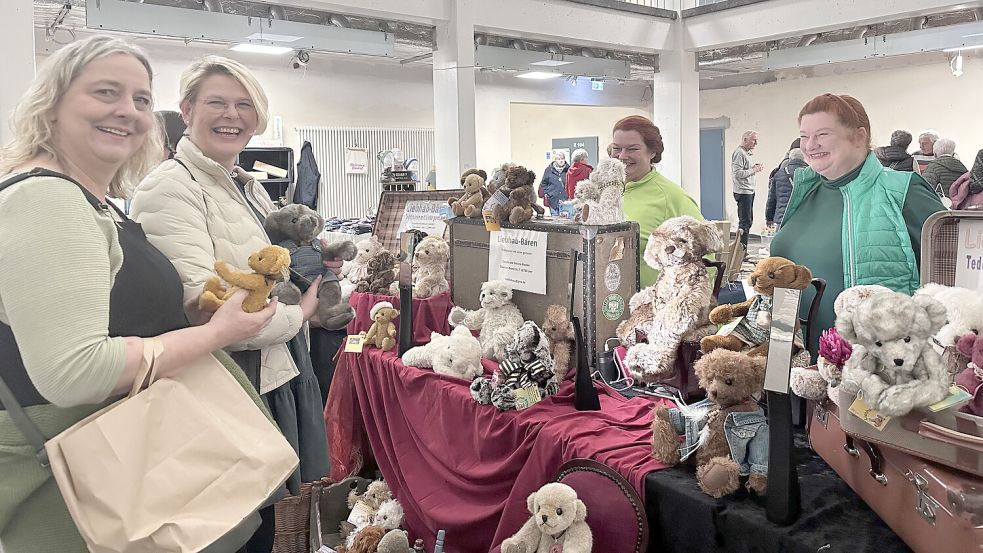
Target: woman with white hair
{"x": 82, "y": 290}
{"x": 945, "y": 168}
{"x": 199, "y": 208}
{"x": 580, "y": 170}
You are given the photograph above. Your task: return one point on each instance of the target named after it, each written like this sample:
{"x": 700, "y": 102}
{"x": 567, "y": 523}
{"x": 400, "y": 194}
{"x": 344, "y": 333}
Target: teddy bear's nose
{"x": 545, "y": 518}
{"x": 898, "y": 362}
{"x": 670, "y": 248}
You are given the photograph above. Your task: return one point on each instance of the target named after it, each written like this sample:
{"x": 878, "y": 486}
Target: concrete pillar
{"x": 17, "y": 45}
{"x": 453, "y": 94}
{"x": 676, "y": 111}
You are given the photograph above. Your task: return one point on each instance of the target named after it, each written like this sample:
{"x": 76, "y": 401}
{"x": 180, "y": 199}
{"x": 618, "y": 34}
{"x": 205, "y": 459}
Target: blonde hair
{"x": 32, "y": 124}
{"x": 196, "y": 73}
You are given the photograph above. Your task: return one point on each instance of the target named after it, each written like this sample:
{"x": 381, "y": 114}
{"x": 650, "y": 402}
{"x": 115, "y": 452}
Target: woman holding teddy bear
{"x": 73, "y": 336}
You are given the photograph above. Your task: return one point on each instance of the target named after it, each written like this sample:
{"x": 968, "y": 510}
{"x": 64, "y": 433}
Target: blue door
{"x": 712, "y": 174}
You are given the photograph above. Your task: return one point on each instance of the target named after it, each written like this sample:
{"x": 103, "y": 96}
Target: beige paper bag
{"x": 172, "y": 468}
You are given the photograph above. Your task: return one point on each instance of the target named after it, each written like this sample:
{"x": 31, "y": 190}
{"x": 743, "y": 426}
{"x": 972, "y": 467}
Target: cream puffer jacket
{"x": 196, "y": 221}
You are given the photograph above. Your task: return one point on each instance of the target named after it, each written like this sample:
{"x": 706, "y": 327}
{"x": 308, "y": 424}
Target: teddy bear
{"x": 558, "y": 523}
{"x": 382, "y": 333}
{"x": 457, "y": 355}
{"x": 497, "y": 179}
{"x": 528, "y": 364}
{"x": 521, "y": 202}
{"x": 295, "y": 227}
{"x": 971, "y": 378}
{"x": 728, "y": 421}
{"x": 388, "y": 517}
{"x": 754, "y": 329}
{"x": 376, "y": 493}
{"x": 603, "y": 194}
{"x": 676, "y": 306}
{"x": 497, "y": 320}
{"x": 819, "y": 383}
{"x": 964, "y": 308}
{"x": 270, "y": 265}
{"x": 893, "y": 363}
{"x": 474, "y": 198}
{"x": 395, "y": 541}
{"x": 559, "y": 329}
{"x": 430, "y": 259}
{"x": 366, "y": 540}
{"x": 358, "y": 269}
{"x": 379, "y": 274}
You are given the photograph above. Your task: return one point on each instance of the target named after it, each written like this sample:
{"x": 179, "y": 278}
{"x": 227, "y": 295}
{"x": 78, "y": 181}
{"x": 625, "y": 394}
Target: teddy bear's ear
{"x": 581, "y": 514}
{"x": 758, "y": 364}
{"x": 531, "y": 503}
{"x": 803, "y": 277}
{"x": 845, "y": 328}
{"x": 708, "y": 235}
{"x": 935, "y": 313}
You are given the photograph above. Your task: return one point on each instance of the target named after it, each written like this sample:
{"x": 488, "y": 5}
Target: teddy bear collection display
{"x": 475, "y": 194}
{"x": 521, "y": 205}
{"x": 430, "y": 258}
{"x": 558, "y": 523}
{"x": 296, "y": 227}
{"x": 357, "y": 269}
{"x": 528, "y": 363}
{"x": 374, "y": 523}
{"x": 497, "y": 320}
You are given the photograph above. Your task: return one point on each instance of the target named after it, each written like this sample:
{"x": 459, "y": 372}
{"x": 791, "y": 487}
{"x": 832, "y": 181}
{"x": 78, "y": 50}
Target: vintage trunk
{"x": 603, "y": 285}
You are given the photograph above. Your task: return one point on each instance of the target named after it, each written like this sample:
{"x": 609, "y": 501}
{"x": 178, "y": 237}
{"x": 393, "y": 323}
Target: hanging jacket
{"x": 780, "y": 189}
{"x": 895, "y": 157}
{"x": 876, "y": 247}
{"x": 942, "y": 172}
{"x": 308, "y": 178}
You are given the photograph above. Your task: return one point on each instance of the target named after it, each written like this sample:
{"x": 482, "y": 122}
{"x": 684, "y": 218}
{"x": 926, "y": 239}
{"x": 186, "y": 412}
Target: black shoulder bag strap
{"x": 7, "y": 399}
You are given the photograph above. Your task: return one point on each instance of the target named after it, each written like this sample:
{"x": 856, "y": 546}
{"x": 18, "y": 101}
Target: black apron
{"x": 146, "y": 299}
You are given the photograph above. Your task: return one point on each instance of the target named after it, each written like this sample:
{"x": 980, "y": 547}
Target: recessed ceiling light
{"x": 539, "y": 75}
{"x": 261, "y": 48}
{"x": 551, "y": 63}
{"x": 269, "y": 37}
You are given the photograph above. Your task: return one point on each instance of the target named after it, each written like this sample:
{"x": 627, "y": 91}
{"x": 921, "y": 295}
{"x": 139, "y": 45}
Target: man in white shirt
{"x": 742, "y": 170}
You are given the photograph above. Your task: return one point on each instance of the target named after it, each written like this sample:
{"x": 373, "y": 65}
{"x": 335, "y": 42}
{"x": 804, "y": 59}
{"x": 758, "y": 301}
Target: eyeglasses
{"x": 218, "y": 106}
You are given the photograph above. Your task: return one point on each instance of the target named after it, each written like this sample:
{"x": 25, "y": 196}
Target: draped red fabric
{"x": 468, "y": 468}
{"x": 429, "y": 314}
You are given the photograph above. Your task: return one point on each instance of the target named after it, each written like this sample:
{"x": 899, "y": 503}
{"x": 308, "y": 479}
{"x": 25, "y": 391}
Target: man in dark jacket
{"x": 552, "y": 187}
{"x": 780, "y": 188}
{"x": 896, "y": 156}
{"x": 944, "y": 169}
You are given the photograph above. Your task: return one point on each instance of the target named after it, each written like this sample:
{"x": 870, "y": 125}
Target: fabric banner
{"x": 356, "y": 161}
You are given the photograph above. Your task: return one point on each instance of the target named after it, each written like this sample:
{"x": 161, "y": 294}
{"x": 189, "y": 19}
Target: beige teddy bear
{"x": 382, "y": 333}
{"x": 558, "y": 523}
{"x": 475, "y": 195}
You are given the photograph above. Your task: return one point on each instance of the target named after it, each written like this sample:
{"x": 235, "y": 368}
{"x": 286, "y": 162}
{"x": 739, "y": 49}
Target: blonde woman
{"x": 199, "y": 207}
{"x": 81, "y": 286}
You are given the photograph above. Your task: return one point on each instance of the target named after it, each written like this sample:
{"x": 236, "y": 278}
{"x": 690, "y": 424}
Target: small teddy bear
{"x": 729, "y": 421}
{"x": 677, "y": 304}
{"x": 528, "y": 364}
{"x": 964, "y": 308}
{"x": 375, "y": 495}
{"x": 497, "y": 179}
{"x": 270, "y": 265}
{"x": 498, "y": 319}
{"x": 753, "y": 331}
{"x": 474, "y": 198}
{"x": 395, "y": 541}
{"x": 558, "y": 523}
{"x": 520, "y": 207}
{"x": 367, "y": 540}
{"x": 603, "y": 194}
{"x": 382, "y": 333}
{"x": 971, "y": 378}
{"x": 358, "y": 269}
{"x": 457, "y": 355}
{"x": 429, "y": 268}
{"x": 389, "y": 516}
{"x": 893, "y": 362}
{"x": 295, "y": 227}
{"x": 380, "y": 274}
{"x": 559, "y": 329}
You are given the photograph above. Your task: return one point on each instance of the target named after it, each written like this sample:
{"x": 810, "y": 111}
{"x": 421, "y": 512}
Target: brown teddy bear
{"x": 519, "y": 189}
{"x": 367, "y": 540}
{"x": 379, "y": 273}
{"x": 474, "y": 198}
{"x": 558, "y": 328}
{"x": 270, "y": 265}
{"x": 729, "y": 420}
{"x": 754, "y": 330}
{"x": 382, "y": 333}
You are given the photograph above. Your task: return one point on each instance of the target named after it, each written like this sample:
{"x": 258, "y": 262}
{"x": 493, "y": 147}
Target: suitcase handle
{"x": 876, "y": 462}
{"x": 942, "y": 434}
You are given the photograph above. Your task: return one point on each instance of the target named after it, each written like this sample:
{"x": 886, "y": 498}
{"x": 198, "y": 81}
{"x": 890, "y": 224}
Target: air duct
{"x": 554, "y": 49}
{"x": 919, "y": 23}
{"x": 808, "y": 39}
{"x": 587, "y": 53}
{"x": 212, "y": 6}
{"x": 481, "y": 40}
{"x": 517, "y": 44}
{"x": 862, "y": 32}
{"x": 339, "y": 20}
{"x": 278, "y": 13}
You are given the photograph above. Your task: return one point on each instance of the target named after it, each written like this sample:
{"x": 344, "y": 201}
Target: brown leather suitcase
{"x": 933, "y": 508}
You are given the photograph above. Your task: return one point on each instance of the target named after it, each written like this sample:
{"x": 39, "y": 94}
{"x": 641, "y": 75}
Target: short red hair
{"x": 847, "y": 109}
{"x": 650, "y": 134}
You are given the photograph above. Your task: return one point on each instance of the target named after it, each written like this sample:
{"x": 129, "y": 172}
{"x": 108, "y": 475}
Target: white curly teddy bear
{"x": 964, "y": 308}
{"x": 498, "y": 319}
{"x": 558, "y": 523}
{"x": 602, "y": 195}
{"x": 358, "y": 269}
{"x": 457, "y": 355}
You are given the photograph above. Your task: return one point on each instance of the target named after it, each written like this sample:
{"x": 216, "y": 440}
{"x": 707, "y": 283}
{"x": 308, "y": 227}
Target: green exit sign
{"x": 597, "y": 85}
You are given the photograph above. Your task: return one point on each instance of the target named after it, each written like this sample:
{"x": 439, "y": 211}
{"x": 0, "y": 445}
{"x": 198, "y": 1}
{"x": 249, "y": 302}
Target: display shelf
{"x": 399, "y": 186}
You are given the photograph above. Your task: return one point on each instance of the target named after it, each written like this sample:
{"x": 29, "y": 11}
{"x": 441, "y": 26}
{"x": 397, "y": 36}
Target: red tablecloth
{"x": 429, "y": 314}
{"x": 468, "y": 468}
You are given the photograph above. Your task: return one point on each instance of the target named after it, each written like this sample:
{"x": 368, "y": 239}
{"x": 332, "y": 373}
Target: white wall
{"x": 911, "y": 98}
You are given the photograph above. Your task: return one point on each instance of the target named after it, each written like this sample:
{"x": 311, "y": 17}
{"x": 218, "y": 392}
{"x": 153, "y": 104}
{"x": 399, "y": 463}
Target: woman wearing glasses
{"x": 198, "y": 208}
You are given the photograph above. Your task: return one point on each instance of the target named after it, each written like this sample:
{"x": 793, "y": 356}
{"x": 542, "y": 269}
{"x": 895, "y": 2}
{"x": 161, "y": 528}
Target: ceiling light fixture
{"x": 540, "y": 75}
{"x": 963, "y": 48}
{"x": 261, "y": 48}
{"x": 551, "y": 63}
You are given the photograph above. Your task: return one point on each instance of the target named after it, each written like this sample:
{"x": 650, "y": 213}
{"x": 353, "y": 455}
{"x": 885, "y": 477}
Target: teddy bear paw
{"x": 481, "y": 390}
{"x": 720, "y": 476}
{"x": 758, "y": 483}
{"x": 807, "y": 383}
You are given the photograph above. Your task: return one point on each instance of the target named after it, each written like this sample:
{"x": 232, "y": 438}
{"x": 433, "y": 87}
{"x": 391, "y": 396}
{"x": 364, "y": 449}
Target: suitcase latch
{"x": 822, "y": 415}
{"x": 925, "y": 504}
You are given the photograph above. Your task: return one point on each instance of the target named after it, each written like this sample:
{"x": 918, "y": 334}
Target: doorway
{"x": 712, "y": 173}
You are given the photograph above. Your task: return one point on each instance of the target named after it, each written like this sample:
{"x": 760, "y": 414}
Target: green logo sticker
{"x": 613, "y": 307}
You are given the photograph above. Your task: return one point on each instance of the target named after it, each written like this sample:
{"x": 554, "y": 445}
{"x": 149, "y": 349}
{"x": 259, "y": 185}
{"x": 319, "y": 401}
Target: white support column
{"x": 17, "y": 45}
{"x": 676, "y": 111}
{"x": 453, "y": 94}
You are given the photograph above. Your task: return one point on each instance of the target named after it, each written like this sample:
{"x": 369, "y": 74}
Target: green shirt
{"x": 650, "y": 202}
{"x": 813, "y": 238}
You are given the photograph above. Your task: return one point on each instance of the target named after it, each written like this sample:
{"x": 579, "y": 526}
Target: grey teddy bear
{"x": 295, "y": 227}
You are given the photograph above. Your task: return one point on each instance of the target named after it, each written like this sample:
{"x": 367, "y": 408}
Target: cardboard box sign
{"x": 607, "y": 275}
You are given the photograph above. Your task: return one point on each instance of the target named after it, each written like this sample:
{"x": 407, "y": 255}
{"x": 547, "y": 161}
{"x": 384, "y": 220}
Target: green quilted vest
{"x": 875, "y": 243}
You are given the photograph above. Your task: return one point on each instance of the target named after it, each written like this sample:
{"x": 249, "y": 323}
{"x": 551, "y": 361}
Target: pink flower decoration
{"x": 833, "y": 348}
